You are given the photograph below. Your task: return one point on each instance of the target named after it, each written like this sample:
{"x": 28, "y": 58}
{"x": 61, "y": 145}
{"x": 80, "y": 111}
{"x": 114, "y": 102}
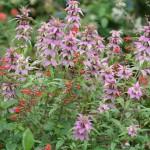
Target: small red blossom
{"x": 17, "y": 110}
{"x": 127, "y": 38}
{"x": 27, "y": 91}
{"x": 22, "y": 103}
{"x": 48, "y": 147}
{"x": 48, "y": 73}
{"x": 82, "y": 72}
{"x": 14, "y": 12}
{"x": 116, "y": 49}
{"x": 38, "y": 93}
{"x": 13, "y": 117}
{"x": 78, "y": 87}
{"x": 143, "y": 80}
{"x": 4, "y": 67}
{"x": 3, "y": 17}
{"x": 2, "y": 73}
{"x": 75, "y": 30}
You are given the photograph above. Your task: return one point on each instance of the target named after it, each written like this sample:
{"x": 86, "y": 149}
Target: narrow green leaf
{"x": 28, "y": 140}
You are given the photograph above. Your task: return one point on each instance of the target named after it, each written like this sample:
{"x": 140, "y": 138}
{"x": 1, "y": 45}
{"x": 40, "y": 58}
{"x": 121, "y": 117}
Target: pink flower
{"x": 23, "y": 29}
{"x": 115, "y": 40}
{"x": 110, "y": 91}
{"x": 124, "y": 72}
{"x": 73, "y": 14}
{"x": 132, "y": 130}
{"x": 8, "y": 90}
{"x": 49, "y": 42}
{"x": 143, "y": 46}
{"x": 103, "y": 108}
{"x": 135, "y": 92}
{"x": 11, "y": 57}
{"x": 82, "y": 128}
{"x": 69, "y": 47}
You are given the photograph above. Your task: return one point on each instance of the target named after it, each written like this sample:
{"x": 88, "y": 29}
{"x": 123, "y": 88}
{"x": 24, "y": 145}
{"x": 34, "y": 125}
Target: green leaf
{"x": 104, "y": 22}
{"x": 28, "y": 140}
{"x": 11, "y": 146}
{"x": 59, "y": 144}
{"x": 7, "y": 104}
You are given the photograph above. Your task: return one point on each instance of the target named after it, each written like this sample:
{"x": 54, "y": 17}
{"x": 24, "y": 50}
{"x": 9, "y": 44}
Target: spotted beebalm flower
{"x": 135, "y": 92}
{"x": 49, "y": 41}
{"x": 110, "y": 91}
{"x": 73, "y": 14}
{"x": 69, "y": 48}
{"x": 11, "y": 58}
{"x": 132, "y": 130}
{"x": 91, "y": 41}
{"x": 143, "y": 46}
{"x": 115, "y": 40}
{"x": 92, "y": 46}
{"x": 23, "y": 67}
{"x": 8, "y": 90}
{"x": 23, "y": 29}
{"x": 82, "y": 128}
{"x": 103, "y": 108}
{"x": 124, "y": 72}
{"x": 107, "y": 75}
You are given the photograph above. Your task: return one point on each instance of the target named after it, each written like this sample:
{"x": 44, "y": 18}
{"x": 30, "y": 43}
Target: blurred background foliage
{"x": 127, "y": 15}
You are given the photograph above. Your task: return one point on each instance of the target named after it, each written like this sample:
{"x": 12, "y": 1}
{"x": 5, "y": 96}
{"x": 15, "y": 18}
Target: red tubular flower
{"x": 78, "y": 87}
{"x": 48, "y": 147}
{"x": 22, "y": 103}
{"x": 2, "y": 73}
{"x": 75, "y": 30}
{"x": 48, "y": 73}
{"x": 27, "y": 91}
{"x": 3, "y": 17}
{"x": 17, "y": 110}
{"x": 13, "y": 117}
{"x": 143, "y": 80}
{"x": 4, "y": 67}
{"x": 127, "y": 38}
{"x": 116, "y": 49}
{"x": 38, "y": 93}
{"x": 14, "y": 12}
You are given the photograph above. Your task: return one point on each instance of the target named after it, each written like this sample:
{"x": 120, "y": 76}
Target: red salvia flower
{"x": 22, "y": 103}
{"x": 38, "y": 93}
{"x": 17, "y": 110}
{"x": 13, "y": 117}
{"x": 48, "y": 73}
{"x": 116, "y": 49}
{"x": 3, "y": 17}
{"x": 82, "y": 72}
{"x": 78, "y": 87}
{"x": 143, "y": 80}
{"x": 27, "y": 91}
{"x": 2, "y": 73}
{"x": 127, "y": 38}
{"x": 48, "y": 147}
{"x": 4, "y": 67}
{"x": 14, "y": 12}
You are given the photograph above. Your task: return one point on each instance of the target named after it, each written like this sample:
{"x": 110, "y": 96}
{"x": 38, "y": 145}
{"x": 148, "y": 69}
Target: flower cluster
{"x": 143, "y": 46}
{"x": 135, "y": 92}
{"x": 115, "y": 40}
{"x": 92, "y": 45}
{"x": 23, "y": 29}
{"x": 82, "y": 128}
{"x": 73, "y": 15}
{"x": 8, "y": 90}
{"x": 11, "y": 58}
{"x": 49, "y": 42}
{"x": 132, "y": 130}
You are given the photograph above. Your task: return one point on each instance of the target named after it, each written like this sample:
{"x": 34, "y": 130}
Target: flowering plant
{"x": 78, "y": 91}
